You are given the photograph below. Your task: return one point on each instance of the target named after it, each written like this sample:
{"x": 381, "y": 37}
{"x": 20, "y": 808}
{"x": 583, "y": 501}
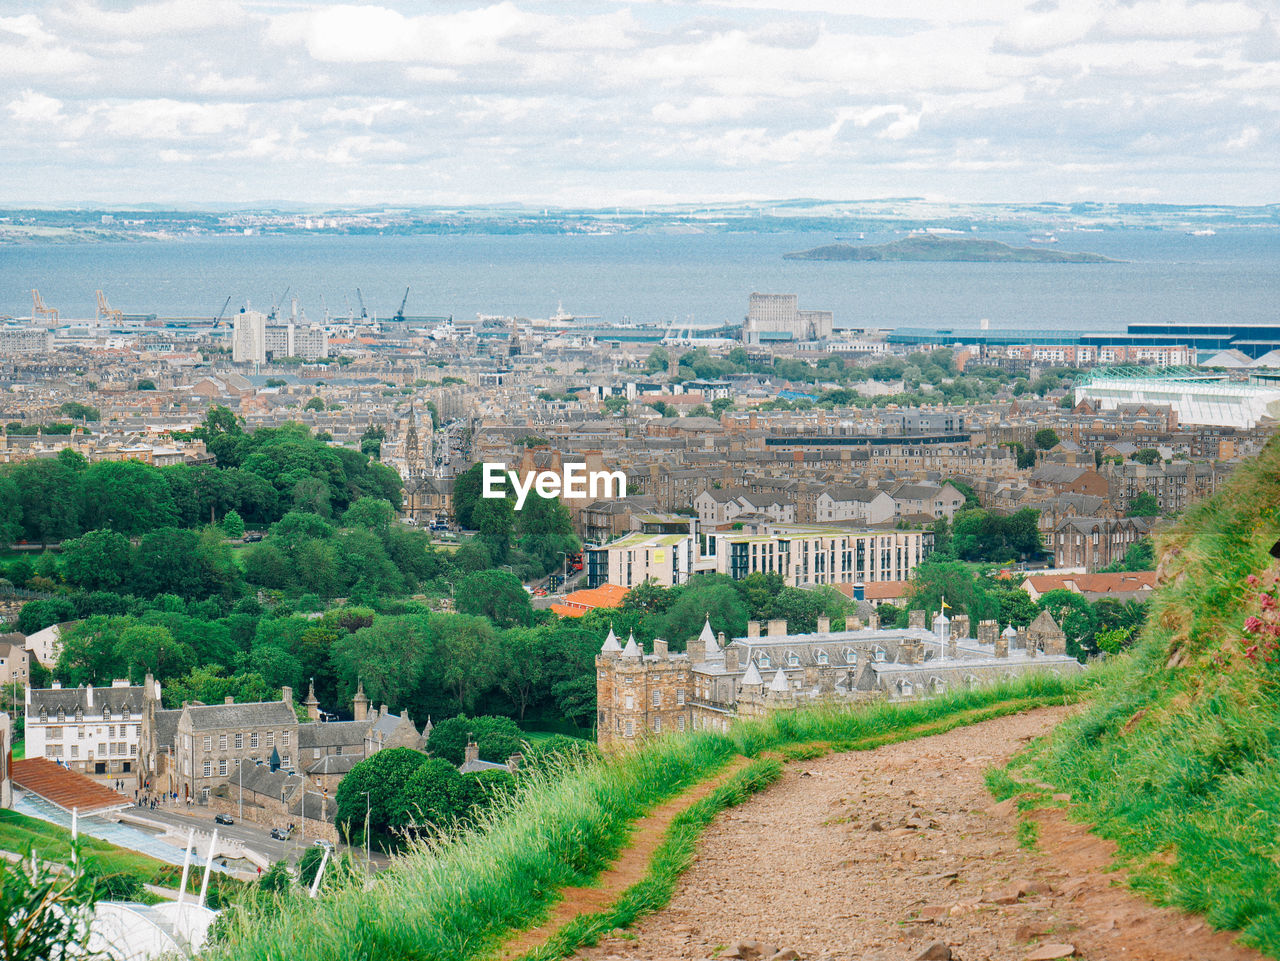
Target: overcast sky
{"x": 561, "y": 101}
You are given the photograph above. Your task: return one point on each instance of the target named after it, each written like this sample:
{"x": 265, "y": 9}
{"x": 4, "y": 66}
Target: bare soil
{"x": 876, "y": 855}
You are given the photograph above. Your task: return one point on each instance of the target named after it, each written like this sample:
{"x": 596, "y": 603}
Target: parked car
{"x": 322, "y": 843}
{"x": 252, "y": 538}
{"x": 223, "y": 819}
{"x": 279, "y": 834}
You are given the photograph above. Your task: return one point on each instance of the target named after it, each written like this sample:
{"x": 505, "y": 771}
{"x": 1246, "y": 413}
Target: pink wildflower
{"x": 1252, "y": 580}
{"x": 1252, "y": 625}
{"x": 1267, "y": 601}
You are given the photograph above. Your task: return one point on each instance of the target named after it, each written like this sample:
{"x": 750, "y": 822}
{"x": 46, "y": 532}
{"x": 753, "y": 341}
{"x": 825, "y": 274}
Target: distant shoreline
{"x": 928, "y": 248}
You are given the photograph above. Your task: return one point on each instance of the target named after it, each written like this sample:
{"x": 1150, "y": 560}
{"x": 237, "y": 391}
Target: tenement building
{"x": 716, "y": 681}
{"x": 96, "y": 731}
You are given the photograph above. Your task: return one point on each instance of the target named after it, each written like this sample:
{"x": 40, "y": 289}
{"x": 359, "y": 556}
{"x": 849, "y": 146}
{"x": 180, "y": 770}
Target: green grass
{"x": 457, "y": 900}
{"x": 122, "y": 871}
{"x": 1177, "y": 758}
{"x": 19, "y": 750}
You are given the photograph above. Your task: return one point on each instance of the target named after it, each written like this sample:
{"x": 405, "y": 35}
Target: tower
{"x": 360, "y": 703}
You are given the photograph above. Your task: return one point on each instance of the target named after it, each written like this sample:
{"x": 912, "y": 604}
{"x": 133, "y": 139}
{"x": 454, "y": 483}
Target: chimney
{"x": 514, "y": 762}
{"x": 988, "y": 631}
{"x": 286, "y": 695}
{"x": 724, "y": 641}
{"x": 473, "y": 751}
{"x": 753, "y": 628}
{"x": 228, "y": 699}
{"x": 909, "y": 652}
{"x": 1002, "y": 646}
{"x": 1022, "y": 641}
{"x": 778, "y": 627}
{"x": 360, "y": 703}
{"x": 953, "y": 648}
{"x": 731, "y": 659}
{"x": 1031, "y": 647}
{"x": 915, "y": 619}
{"x": 660, "y": 649}
{"x": 824, "y": 625}
{"x": 960, "y": 625}
{"x": 873, "y": 621}
{"x": 88, "y": 694}
{"x": 312, "y": 705}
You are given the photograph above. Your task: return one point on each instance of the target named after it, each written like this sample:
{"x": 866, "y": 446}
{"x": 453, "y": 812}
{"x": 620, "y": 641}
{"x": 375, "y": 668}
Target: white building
{"x": 25, "y": 340}
{"x": 46, "y": 645}
{"x": 290, "y": 340}
{"x": 1197, "y": 399}
{"x": 93, "y": 731}
{"x": 778, "y": 317}
{"x": 249, "y": 337}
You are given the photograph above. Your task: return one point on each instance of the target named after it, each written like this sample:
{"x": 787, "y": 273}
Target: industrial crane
{"x": 48, "y": 313}
{"x": 399, "y": 317}
{"x": 364, "y": 314}
{"x": 217, "y": 321}
{"x": 275, "y": 308}
{"x": 107, "y": 312}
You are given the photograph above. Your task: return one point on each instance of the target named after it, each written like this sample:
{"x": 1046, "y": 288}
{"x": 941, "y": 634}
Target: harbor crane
{"x": 107, "y": 312}
{"x": 399, "y": 317}
{"x": 275, "y": 308}
{"x": 364, "y": 314}
{"x": 40, "y": 310}
{"x": 217, "y": 321}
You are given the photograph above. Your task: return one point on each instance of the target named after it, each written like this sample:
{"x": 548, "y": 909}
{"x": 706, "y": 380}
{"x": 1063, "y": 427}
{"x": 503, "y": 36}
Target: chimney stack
{"x": 824, "y": 625}
{"x": 731, "y": 659}
{"x": 660, "y": 648}
{"x": 473, "y": 750}
{"x": 915, "y": 619}
{"x": 778, "y": 627}
{"x": 286, "y": 695}
{"x": 753, "y": 628}
{"x": 960, "y": 625}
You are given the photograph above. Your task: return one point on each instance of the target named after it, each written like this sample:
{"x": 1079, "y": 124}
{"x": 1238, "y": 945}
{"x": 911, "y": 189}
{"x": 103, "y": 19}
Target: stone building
{"x": 15, "y": 660}
{"x": 210, "y": 740}
{"x": 1093, "y": 542}
{"x": 718, "y": 681}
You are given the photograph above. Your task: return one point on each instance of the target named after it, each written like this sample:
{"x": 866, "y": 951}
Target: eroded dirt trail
{"x": 876, "y": 855}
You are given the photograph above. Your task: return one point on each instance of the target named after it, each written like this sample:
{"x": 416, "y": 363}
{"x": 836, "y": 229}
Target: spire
{"x": 779, "y": 684}
{"x": 708, "y": 641}
{"x": 611, "y": 645}
{"x": 752, "y": 677}
{"x": 632, "y": 649}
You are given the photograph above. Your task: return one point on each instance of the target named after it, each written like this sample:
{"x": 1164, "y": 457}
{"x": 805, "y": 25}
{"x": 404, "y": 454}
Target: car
{"x": 322, "y": 843}
{"x": 252, "y": 538}
{"x": 540, "y": 592}
{"x": 223, "y": 819}
{"x": 279, "y": 834}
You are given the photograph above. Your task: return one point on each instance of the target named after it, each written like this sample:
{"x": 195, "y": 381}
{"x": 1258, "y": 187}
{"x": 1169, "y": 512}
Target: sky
{"x": 575, "y": 102}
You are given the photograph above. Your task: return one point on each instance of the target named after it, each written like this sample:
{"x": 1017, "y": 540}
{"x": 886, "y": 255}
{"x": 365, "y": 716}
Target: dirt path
{"x": 632, "y": 865}
{"x": 876, "y": 855}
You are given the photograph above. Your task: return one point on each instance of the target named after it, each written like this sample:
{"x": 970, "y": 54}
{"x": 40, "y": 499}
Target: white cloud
{"x": 35, "y": 108}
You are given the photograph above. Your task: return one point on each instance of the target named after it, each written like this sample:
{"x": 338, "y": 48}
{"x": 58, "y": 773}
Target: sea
{"x": 694, "y": 279}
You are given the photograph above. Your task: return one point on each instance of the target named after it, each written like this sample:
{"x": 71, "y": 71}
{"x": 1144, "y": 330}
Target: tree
{"x": 143, "y": 649}
{"x": 98, "y": 560}
{"x": 544, "y": 530}
{"x": 1147, "y": 455}
{"x": 467, "y": 489}
{"x": 494, "y": 519}
{"x": 390, "y": 656}
{"x": 37, "y": 615}
{"x": 146, "y": 384}
{"x": 210, "y": 684}
{"x": 615, "y": 405}
{"x": 315, "y": 403}
{"x": 1046, "y": 438}
{"x": 701, "y": 410}
{"x": 433, "y": 797}
{"x": 233, "y": 525}
{"x": 371, "y": 513}
{"x": 521, "y": 667}
{"x": 382, "y": 776}
{"x": 658, "y": 360}
{"x": 721, "y": 404}
{"x": 463, "y": 657}
{"x": 662, "y": 408}
{"x": 496, "y": 595}
{"x": 701, "y": 599}
{"x": 371, "y": 440}
{"x": 127, "y": 496}
{"x": 496, "y": 737}
{"x": 934, "y": 580}
{"x": 1143, "y": 504}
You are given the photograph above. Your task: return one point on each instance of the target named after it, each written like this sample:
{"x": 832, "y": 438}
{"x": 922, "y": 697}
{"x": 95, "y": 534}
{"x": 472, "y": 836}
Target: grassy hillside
{"x": 457, "y": 900}
{"x": 1177, "y": 757}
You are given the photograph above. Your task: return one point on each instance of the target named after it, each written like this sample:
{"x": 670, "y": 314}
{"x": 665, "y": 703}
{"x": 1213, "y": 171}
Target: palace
{"x": 716, "y": 681}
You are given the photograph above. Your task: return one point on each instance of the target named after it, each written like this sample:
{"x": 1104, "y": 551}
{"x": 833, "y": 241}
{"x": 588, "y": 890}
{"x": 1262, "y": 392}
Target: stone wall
{"x": 272, "y": 818}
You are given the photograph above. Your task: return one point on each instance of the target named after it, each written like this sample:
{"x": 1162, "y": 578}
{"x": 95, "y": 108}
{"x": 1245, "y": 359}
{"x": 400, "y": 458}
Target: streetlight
{"x": 565, "y": 555}
{"x": 368, "y": 864}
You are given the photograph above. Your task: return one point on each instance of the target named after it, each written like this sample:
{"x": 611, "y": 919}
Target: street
{"x": 250, "y": 834}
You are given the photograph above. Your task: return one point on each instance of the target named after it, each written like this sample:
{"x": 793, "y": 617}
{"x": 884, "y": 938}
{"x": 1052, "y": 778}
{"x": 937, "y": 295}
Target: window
{"x": 75, "y": 750}
{"x": 111, "y": 731}
{"x": 339, "y": 751}
{"x": 680, "y": 723}
{"x": 657, "y": 724}
{"x": 284, "y": 761}
{"x": 239, "y": 742}
{"x": 315, "y": 752}
{"x": 822, "y": 657}
{"x": 680, "y": 698}
{"x": 133, "y": 750}
{"x": 630, "y": 702}
{"x": 284, "y": 738}
{"x": 102, "y": 750}
{"x": 208, "y": 768}
{"x": 657, "y": 699}
{"x": 55, "y": 733}
{"x": 271, "y": 739}
{"x": 204, "y": 793}
{"x": 208, "y": 743}
{"x": 222, "y": 742}
{"x": 253, "y": 740}
{"x": 222, "y": 767}
{"x": 629, "y": 729}
{"x": 793, "y": 659}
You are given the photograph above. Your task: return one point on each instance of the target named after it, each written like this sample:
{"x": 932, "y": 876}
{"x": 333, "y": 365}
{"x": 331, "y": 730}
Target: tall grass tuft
{"x": 453, "y": 899}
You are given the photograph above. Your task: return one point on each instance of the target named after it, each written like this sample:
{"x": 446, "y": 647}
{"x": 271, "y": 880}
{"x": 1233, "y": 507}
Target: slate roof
{"x": 166, "y": 728}
{"x": 332, "y": 734}
{"x": 215, "y": 717}
{"x": 69, "y": 698}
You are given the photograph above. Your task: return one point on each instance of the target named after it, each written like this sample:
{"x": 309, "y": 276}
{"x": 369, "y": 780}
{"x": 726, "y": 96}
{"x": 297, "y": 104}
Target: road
{"x": 251, "y": 835}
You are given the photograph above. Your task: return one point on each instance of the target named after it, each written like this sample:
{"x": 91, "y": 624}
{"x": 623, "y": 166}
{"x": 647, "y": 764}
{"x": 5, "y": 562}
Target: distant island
{"x": 927, "y": 247}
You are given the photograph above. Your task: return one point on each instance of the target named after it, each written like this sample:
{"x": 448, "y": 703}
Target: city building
{"x": 1197, "y": 398}
{"x": 25, "y": 340}
{"x": 210, "y": 740}
{"x": 774, "y": 318}
{"x": 249, "y": 337}
{"x": 15, "y": 660}
{"x": 95, "y": 731}
{"x": 1089, "y": 543}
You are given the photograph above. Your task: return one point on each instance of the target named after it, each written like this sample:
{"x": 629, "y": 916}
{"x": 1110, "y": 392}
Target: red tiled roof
{"x": 580, "y": 602}
{"x": 65, "y": 788}
{"x": 878, "y": 590}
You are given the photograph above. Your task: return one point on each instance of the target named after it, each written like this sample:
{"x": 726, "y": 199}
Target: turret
{"x": 360, "y": 703}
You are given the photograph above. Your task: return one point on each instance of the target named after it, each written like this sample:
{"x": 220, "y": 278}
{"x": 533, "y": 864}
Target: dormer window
{"x": 763, "y": 660}
{"x": 124, "y": 714}
{"x": 850, "y": 656}
{"x": 106, "y": 713}
{"x": 79, "y": 713}
{"x": 44, "y": 716}
{"x": 823, "y": 658}
{"x": 793, "y": 659}
{"x": 62, "y": 715}
{"x": 879, "y": 654}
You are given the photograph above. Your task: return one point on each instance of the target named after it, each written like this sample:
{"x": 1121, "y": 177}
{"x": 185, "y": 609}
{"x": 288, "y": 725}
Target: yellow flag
{"x": 945, "y": 605}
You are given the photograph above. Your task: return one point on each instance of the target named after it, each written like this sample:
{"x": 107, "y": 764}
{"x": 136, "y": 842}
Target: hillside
{"x": 1177, "y": 758}
{"x": 927, "y": 247}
